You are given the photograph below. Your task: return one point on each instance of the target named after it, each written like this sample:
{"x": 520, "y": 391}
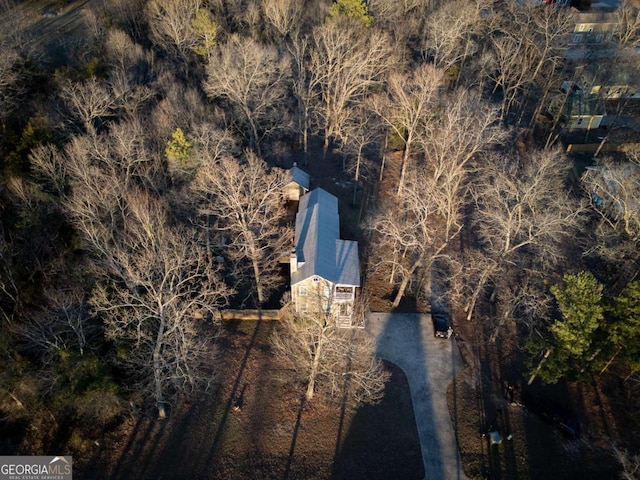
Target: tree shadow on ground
{"x": 382, "y": 440}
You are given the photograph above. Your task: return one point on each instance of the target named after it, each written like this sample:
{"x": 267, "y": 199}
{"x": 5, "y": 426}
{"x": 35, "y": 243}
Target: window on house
{"x": 599, "y": 38}
{"x": 315, "y": 279}
{"x": 304, "y": 307}
{"x": 343, "y": 310}
{"x": 577, "y": 38}
{"x": 303, "y": 291}
{"x": 581, "y": 27}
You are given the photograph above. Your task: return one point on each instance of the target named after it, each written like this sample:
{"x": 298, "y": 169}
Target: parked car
{"x": 441, "y": 325}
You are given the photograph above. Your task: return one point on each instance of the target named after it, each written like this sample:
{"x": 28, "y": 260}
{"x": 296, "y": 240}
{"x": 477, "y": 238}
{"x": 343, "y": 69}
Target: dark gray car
{"x": 441, "y": 325}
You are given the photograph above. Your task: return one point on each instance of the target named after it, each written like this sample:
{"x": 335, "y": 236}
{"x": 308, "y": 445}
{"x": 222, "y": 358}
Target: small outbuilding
{"x": 297, "y": 184}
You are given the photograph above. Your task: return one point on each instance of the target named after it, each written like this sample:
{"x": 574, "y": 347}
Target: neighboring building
{"x": 594, "y": 28}
{"x": 325, "y": 270}
{"x": 585, "y": 111}
{"x": 617, "y": 92}
{"x": 298, "y": 184}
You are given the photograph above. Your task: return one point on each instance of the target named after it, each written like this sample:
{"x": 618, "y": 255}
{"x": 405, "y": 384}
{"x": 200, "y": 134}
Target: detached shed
{"x": 297, "y": 184}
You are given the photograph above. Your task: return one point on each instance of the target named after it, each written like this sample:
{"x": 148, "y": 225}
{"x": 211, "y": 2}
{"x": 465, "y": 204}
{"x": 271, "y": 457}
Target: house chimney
{"x": 293, "y": 261}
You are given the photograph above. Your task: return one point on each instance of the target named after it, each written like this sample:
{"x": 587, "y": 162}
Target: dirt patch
{"x": 252, "y": 424}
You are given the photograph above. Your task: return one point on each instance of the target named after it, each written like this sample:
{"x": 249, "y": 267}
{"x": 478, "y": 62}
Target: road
{"x": 429, "y": 364}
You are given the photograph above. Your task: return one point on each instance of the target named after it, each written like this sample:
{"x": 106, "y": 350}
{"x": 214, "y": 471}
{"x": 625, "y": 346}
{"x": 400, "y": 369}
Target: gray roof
{"x": 319, "y": 249}
{"x": 298, "y": 176}
{"x": 596, "y": 17}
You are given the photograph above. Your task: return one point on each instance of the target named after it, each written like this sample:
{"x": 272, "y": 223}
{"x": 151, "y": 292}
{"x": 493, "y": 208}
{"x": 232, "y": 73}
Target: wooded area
{"x": 143, "y": 155}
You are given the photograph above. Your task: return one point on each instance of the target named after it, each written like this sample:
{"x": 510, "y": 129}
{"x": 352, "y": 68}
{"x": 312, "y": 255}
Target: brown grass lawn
{"x": 270, "y": 437}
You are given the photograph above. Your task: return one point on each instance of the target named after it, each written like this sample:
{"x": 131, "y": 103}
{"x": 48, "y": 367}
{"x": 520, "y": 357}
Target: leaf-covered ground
{"x": 268, "y": 436}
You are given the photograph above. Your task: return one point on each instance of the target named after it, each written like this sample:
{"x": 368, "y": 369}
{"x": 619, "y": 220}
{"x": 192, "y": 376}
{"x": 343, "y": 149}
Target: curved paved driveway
{"x": 429, "y": 364}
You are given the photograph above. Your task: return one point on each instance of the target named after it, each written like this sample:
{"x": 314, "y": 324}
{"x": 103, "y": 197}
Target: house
{"x": 325, "y": 270}
{"x": 297, "y": 184}
{"x": 586, "y": 111}
{"x": 594, "y": 28}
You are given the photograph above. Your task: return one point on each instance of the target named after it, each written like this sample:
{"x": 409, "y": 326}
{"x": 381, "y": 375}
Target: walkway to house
{"x": 429, "y": 364}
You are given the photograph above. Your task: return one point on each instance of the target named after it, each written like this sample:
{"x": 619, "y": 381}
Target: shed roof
{"x": 319, "y": 249}
{"x": 298, "y": 176}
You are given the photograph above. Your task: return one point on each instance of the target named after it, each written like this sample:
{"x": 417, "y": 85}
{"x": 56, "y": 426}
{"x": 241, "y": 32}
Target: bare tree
{"x": 156, "y": 286}
{"x": 180, "y": 106}
{"x": 347, "y": 62}
{"x": 127, "y": 15}
{"x": 245, "y": 200}
{"x": 359, "y": 135}
{"x": 417, "y": 230}
{"x": 525, "y": 204}
{"x": 464, "y": 128}
{"x": 524, "y": 215}
{"x": 628, "y": 30}
{"x": 47, "y": 162}
{"x": 9, "y": 76}
{"x": 528, "y": 51}
{"x": 89, "y": 101}
{"x": 408, "y": 233}
{"x": 170, "y": 25}
{"x": 283, "y": 16}
{"x": 9, "y": 290}
{"x": 403, "y": 19}
{"x": 629, "y": 462}
{"x": 614, "y": 187}
{"x": 448, "y": 34}
{"x": 124, "y": 55}
{"x": 63, "y": 325}
{"x": 328, "y": 359}
{"x": 410, "y": 100}
{"x": 253, "y": 78}
{"x": 157, "y": 292}
{"x": 299, "y": 48}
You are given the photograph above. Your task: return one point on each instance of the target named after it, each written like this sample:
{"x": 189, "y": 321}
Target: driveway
{"x": 429, "y": 364}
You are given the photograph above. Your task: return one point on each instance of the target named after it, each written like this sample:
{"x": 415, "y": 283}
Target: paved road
{"x": 429, "y": 364}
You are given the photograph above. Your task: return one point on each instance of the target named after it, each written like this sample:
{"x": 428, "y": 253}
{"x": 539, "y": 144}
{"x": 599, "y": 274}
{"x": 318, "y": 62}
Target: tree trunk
{"x": 494, "y": 334}
{"x": 405, "y": 282}
{"x": 537, "y": 370}
{"x": 384, "y": 155}
{"x": 611, "y": 360}
{"x": 157, "y": 370}
{"x": 305, "y": 142}
{"x": 476, "y": 293}
{"x": 14, "y": 398}
{"x": 357, "y": 178}
{"x": 313, "y": 373}
{"x": 259, "y": 289}
{"x": 403, "y": 169}
{"x": 255, "y": 144}
{"x": 256, "y": 268}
